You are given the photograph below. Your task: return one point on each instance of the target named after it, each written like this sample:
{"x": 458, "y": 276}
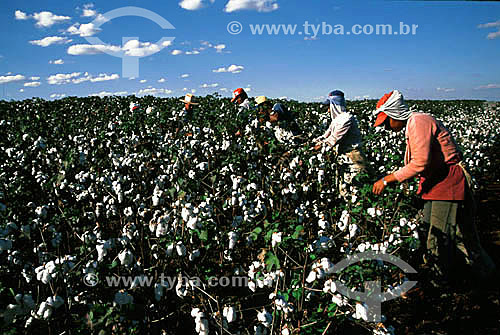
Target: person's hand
{"x": 378, "y": 187}
{"x": 316, "y": 147}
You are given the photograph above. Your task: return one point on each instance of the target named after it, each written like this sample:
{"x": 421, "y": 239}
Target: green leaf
{"x": 203, "y": 235}
{"x": 257, "y": 230}
{"x": 113, "y": 265}
{"x": 272, "y": 260}
{"x": 298, "y": 232}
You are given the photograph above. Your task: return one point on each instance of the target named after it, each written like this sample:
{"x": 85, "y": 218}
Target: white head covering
{"x": 395, "y": 107}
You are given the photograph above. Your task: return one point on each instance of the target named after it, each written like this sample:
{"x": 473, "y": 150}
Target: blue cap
{"x": 335, "y": 97}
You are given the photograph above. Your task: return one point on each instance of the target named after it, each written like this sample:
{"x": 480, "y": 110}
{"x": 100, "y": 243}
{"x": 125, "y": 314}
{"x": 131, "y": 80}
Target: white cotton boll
{"x": 170, "y": 250}
{"x": 156, "y": 200}
{"x": 251, "y": 286}
{"x": 353, "y": 229}
{"x": 128, "y": 212}
{"x": 276, "y": 238}
{"x": 44, "y": 311}
{"x": 233, "y": 238}
{"x": 55, "y": 302}
{"x": 161, "y": 229}
{"x": 194, "y": 254}
{"x": 337, "y": 299}
{"x": 361, "y": 312}
{"x": 41, "y": 211}
{"x": 229, "y": 313}
{"x": 265, "y": 318}
{"x": 372, "y": 212}
{"x": 192, "y": 223}
{"x": 181, "y": 249}
{"x": 126, "y": 257}
{"x": 311, "y": 277}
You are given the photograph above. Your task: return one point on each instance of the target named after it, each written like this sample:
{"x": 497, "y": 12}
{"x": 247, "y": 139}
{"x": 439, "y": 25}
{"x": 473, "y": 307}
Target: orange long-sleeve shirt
{"x": 432, "y": 154}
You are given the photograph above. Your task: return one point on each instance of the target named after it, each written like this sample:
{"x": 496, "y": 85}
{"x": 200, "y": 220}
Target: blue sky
{"x": 454, "y": 54}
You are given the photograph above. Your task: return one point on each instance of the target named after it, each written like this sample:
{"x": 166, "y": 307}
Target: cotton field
{"x": 92, "y": 188}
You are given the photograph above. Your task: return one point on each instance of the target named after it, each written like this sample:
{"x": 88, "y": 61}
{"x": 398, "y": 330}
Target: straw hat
{"x": 188, "y": 99}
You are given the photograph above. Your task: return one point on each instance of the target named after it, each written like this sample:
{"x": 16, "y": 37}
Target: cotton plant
{"x": 123, "y": 179}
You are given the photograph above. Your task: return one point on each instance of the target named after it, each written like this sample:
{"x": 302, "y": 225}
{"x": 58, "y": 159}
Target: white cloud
{"x": 57, "y": 95}
{"x": 193, "y": 91}
{"x": 83, "y": 30}
{"x": 193, "y": 4}
{"x": 32, "y": 84}
{"x": 185, "y": 75}
{"x": 104, "y": 77}
{"x": 142, "y": 81}
{"x": 21, "y": 90}
{"x": 91, "y": 49}
{"x": 220, "y": 47}
{"x": 209, "y": 85}
{"x": 257, "y": 5}
{"x": 57, "y": 61}
{"x": 8, "y": 79}
{"x": 100, "y": 77}
{"x": 194, "y": 52}
{"x": 230, "y": 69}
{"x": 141, "y": 49}
{"x": 154, "y": 91}
{"x": 493, "y": 35}
{"x": 62, "y": 78}
{"x": 88, "y": 11}
{"x": 162, "y": 80}
{"x": 133, "y": 48}
{"x": 442, "y": 89}
{"x": 176, "y": 52}
{"x": 223, "y": 89}
{"x": 47, "y": 19}
{"x": 486, "y": 87}
{"x": 490, "y": 24}
{"x": 108, "y": 94}
{"x": 21, "y": 15}
{"x": 49, "y": 40}
{"x": 34, "y": 78}
{"x": 495, "y": 24}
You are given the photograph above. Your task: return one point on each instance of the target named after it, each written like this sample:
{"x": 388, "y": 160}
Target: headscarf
{"x": 394, "y": 106}
{"x": 337, "y": 103}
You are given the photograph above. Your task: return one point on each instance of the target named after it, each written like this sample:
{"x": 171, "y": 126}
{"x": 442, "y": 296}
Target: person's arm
{"x": 380, "y": 185}
{"x": 420, "y": 135}
{"x": 342, "y": 125}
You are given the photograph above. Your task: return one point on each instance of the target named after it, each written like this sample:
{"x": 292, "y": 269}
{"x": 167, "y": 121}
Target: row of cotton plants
{"x": 93, "y": 188}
